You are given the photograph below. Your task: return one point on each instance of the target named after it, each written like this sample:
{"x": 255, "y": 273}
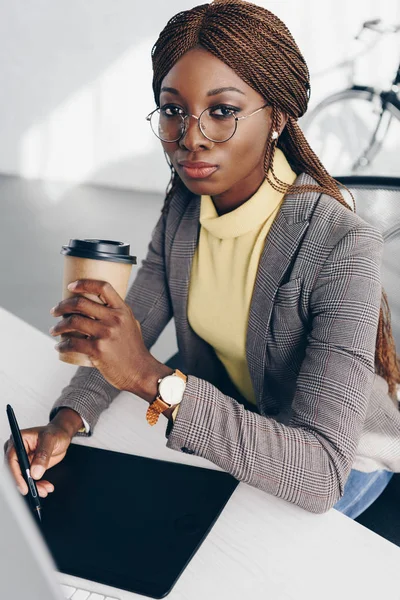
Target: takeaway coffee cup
{"x": 104, "y": 260}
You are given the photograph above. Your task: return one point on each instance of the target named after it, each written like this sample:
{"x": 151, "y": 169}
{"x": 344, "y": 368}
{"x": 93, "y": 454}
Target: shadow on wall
{"x": 100, "y": 133}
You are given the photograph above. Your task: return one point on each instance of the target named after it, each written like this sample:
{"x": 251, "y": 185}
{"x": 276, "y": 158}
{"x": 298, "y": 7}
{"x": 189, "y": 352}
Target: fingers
{"x": 78, "y": 323}
{"x": 39, "y": 447}
{"x": 82, "y": 305}
{"x": 79, "y": 345}
{"x": 43, "y": 452}
{"x": 44, "y": 488}
{"x": 102, "y": 289}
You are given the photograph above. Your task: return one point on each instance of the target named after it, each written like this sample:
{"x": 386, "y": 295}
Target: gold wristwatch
{"x": 170, "y": 393}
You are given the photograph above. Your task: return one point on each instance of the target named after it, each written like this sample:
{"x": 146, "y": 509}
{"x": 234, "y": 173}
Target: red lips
{"x": 195, "y": 164}
{"x": 197, "y": 170}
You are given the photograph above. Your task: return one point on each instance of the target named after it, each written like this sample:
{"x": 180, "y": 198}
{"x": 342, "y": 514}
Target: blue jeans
{"x": 361, "y": 490}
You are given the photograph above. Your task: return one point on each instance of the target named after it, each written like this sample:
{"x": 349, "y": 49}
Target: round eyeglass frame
{"x": 184, "y": 118}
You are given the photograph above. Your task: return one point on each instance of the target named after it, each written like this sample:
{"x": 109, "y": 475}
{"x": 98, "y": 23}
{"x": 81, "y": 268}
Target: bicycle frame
{"x": 389, "y": 102}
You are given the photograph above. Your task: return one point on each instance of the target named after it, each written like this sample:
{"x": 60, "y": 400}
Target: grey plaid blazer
{"x": 321, "y": 410}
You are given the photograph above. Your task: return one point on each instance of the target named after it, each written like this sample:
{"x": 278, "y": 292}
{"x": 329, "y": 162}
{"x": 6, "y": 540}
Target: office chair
{"x": 378, "y": 202}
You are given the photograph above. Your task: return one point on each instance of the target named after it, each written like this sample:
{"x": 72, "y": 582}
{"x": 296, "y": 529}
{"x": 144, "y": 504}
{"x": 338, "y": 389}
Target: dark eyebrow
{"x": 214, "y": 92}
{"x": 170, "y": 90}
{"x": 224, "y": 89}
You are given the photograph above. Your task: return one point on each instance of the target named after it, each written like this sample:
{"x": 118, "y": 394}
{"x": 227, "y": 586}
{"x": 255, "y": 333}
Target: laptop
{"x": 112, "y": 541}
{"x": 27, "y": 570}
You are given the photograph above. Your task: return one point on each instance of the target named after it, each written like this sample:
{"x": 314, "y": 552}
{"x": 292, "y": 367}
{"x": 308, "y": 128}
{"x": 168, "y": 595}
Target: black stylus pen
{"x": 24, "y": 463}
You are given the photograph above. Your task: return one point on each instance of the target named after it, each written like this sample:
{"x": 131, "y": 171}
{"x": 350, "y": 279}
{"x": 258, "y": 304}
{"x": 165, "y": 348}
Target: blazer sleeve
{"x": 307, "y": 461}
{"x": 88, "y": 392}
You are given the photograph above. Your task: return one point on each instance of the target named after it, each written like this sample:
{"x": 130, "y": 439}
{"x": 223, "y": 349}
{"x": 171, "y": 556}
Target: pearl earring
{"x": 275, "y": 135}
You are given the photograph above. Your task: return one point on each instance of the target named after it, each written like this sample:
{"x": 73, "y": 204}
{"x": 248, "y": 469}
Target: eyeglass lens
{"x": 216, "y": 127}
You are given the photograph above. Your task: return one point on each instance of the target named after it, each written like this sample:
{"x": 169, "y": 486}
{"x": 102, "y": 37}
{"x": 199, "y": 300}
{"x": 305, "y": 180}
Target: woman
{"x": 289, "y": 367}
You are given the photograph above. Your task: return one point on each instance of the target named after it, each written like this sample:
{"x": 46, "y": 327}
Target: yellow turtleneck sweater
{"x": 224, "y": 270}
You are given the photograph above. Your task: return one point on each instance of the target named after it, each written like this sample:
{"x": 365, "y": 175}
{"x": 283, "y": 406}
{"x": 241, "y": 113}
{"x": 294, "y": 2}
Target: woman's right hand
{"x": 45, "y": 446}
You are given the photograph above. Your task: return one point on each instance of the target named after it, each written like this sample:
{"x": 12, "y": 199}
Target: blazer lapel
{"x": 194, "y": 351}
{"x": 281, "y": 245}
{"x": 198, "y": 356}
{"x": 181, "y": 257}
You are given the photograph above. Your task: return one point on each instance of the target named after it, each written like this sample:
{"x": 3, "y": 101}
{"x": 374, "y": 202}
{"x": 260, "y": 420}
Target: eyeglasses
{"x": 218, "y": 123}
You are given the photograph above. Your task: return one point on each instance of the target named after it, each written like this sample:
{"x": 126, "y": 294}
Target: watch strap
{"x": 158, "y": 406}
{"x": 181, "y": 375}
{"x": 155, "y": 409}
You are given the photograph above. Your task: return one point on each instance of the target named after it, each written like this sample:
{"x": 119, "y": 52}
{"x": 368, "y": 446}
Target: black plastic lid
{"x": 100, "y": 250}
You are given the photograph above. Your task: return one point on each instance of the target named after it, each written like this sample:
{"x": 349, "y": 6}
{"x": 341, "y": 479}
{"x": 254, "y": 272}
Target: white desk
{"x": 261, "y": 547}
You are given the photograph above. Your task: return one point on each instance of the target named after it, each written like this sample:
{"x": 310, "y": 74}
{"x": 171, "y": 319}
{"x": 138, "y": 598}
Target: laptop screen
{"x": 26, "y": 568}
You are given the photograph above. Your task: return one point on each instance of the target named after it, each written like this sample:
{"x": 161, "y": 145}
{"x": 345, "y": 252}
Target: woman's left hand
{"x": 115, "y": 344}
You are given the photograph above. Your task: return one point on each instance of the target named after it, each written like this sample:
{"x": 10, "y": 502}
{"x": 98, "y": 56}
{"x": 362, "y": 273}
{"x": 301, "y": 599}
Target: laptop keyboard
{"x": 73, "y": 593}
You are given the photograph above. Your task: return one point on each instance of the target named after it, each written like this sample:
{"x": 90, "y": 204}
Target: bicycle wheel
{"x": 341, "y": 127}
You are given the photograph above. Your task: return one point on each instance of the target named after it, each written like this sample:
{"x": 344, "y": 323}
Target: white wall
{"x": 75, "y": 80}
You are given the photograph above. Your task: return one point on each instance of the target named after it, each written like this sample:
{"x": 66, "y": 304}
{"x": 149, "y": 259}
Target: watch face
{"x": 172, "y": 389}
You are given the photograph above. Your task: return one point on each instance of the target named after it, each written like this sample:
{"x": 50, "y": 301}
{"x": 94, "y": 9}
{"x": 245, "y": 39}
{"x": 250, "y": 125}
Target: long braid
{"x": 261, "y": 50}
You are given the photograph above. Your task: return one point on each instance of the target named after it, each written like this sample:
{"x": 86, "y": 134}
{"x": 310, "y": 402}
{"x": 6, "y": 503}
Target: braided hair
{"x": 259, "y": 47}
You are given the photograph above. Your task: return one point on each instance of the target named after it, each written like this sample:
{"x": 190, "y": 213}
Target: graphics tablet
{"x": 129, "y": 521}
